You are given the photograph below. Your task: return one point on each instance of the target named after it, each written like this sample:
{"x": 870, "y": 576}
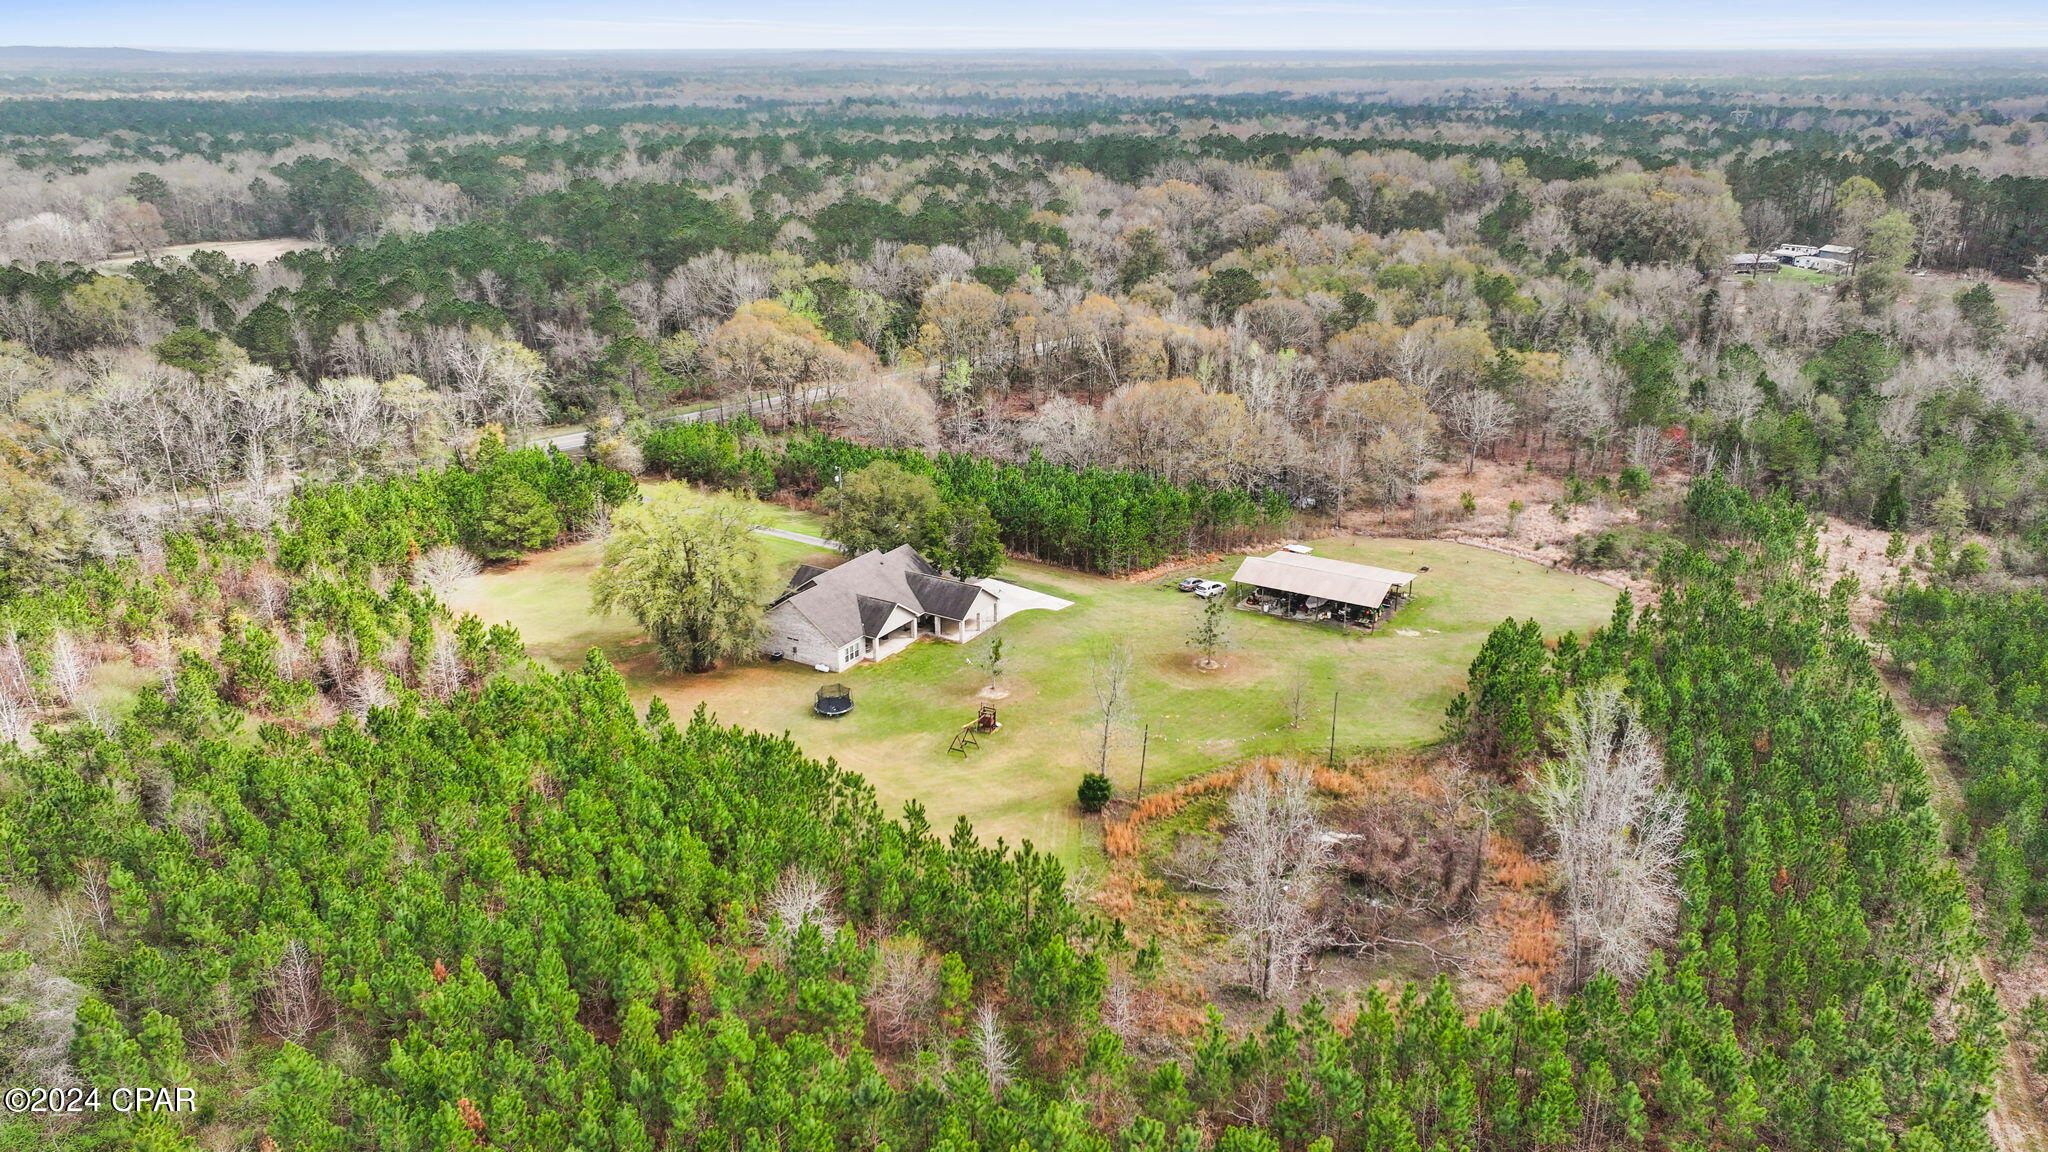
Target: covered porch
{"x": 958, "y": 631}
{"x": 883, "y": 647}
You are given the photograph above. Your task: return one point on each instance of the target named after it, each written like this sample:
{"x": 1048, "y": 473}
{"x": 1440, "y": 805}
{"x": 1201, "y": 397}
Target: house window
{"x": 851, "y": 652}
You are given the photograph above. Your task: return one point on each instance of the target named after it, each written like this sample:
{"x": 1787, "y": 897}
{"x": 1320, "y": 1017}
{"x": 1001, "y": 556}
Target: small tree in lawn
{"x": 1094, "y": 792}
{"x": 990, "y": 665}
{"x": 1295, "y": 696}
{"x": 1211, "y": 631}
{"x": 1110, "y": 676}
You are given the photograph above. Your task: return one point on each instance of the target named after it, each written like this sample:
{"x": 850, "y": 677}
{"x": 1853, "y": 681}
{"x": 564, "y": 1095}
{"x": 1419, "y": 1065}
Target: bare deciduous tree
{"x": 44, "y": 1006}
{"x": 71, "y": 665}
{"x": 1296, "y": 695}
{"x": 440, "y": 568}
{"x": 94, "y": 884}
{"x": 294, "y": 1005}
{"x": 1480, "y": 418}
{"x": 17, "y": 695}
{"x": 1063, "y": 431}
{"x": 992, "y": 1049}
{"x": 1271, "y": 872}
{"x": 799, "y": 898}
{"x": 887, "y": 412}
{"x": 367, "y": 689}
{"x": 1110, "y": 675}
{"x": 495, "y": 381}
{"x": 1120, "y": 1009}
{"x": 1619, "y": 831}
{"x": 902, "y": 1000}
{"x": 443, "y": 675}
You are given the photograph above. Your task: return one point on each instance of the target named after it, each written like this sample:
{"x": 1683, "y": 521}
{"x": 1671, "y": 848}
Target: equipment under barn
{"x": 1319, "y": 588}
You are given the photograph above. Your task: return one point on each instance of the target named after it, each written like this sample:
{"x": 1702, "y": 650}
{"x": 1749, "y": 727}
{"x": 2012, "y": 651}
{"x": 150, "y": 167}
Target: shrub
{"x": 1094, "y": 792}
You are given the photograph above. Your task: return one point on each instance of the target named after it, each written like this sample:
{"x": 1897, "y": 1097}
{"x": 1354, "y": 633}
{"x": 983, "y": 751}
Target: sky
{"x": 1386, "y": 25}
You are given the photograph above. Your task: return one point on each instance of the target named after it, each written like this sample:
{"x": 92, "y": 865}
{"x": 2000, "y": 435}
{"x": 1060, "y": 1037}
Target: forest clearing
{"x": 1392, "y": 685}
{"x": 1143, "y": 601}
{"x": 242, "y": 251}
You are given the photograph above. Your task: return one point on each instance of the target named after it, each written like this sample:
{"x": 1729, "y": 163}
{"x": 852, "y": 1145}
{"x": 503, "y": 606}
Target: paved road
{"x": 759, "y": 406}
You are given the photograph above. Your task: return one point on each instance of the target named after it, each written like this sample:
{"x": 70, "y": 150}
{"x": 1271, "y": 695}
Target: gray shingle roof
{"x": 856, "y": 599}
{"x": 874, "y": 614}
{"x": 953, "y": 599}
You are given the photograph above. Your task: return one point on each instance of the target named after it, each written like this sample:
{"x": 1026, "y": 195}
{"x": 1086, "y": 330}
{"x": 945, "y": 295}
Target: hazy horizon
{"x": 1136, "y": 25}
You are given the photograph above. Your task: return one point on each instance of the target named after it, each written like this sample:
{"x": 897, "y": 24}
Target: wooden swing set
{"x": 969, "y": 736}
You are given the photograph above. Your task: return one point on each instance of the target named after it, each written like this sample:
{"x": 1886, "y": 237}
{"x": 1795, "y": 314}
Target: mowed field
{"x": 245, "y": 251}
{"x": 1390, "y": 687}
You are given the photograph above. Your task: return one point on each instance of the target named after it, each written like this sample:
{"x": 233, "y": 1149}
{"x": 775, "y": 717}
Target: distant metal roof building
{"x": 1827, "y": 264}
{"x": 1323, "y": 578}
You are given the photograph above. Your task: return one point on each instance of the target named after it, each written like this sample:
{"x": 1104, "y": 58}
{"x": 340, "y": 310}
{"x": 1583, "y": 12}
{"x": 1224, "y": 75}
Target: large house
{"x": 1319, "y": 588}
{"x": 872, "y": 607}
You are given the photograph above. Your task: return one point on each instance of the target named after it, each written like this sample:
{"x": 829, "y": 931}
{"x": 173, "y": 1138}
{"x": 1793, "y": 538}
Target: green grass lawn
{"x": 1391, "y": 688}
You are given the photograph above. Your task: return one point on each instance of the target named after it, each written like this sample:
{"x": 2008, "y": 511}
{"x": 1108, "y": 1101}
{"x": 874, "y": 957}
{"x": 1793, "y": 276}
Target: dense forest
{"x": 1304, "y": 294}
{"x": 288, "y": 357}
{"x": 490, "y": 904}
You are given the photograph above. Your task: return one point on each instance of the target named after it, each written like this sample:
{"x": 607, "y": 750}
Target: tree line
{"x": 1094, "y": 519}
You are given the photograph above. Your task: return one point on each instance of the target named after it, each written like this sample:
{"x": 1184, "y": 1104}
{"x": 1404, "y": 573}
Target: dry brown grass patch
{"x": 1512, "y": 866}
{"x": 1532, "y": 940}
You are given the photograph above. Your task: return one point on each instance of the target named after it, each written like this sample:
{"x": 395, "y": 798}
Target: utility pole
{"x": 1333, "y": 732}
{"x": 1144, "y": 747}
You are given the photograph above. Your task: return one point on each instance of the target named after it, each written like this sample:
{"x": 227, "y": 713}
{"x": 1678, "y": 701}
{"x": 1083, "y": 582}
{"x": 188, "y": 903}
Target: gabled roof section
{"x": 942, "y": 596}
{"x": 858, "y": 598}
{"x": 880, "y": 616}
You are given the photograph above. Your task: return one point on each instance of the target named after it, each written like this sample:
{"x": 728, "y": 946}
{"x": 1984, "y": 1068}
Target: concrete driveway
{"x": 1012, "y": 598}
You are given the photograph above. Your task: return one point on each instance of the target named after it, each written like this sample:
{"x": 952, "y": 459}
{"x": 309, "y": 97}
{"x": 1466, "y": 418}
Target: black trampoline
{"x": 833, "y": 700}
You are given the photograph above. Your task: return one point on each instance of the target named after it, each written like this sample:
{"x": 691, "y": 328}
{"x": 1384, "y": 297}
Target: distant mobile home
{"x": 1824, "y": 264}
